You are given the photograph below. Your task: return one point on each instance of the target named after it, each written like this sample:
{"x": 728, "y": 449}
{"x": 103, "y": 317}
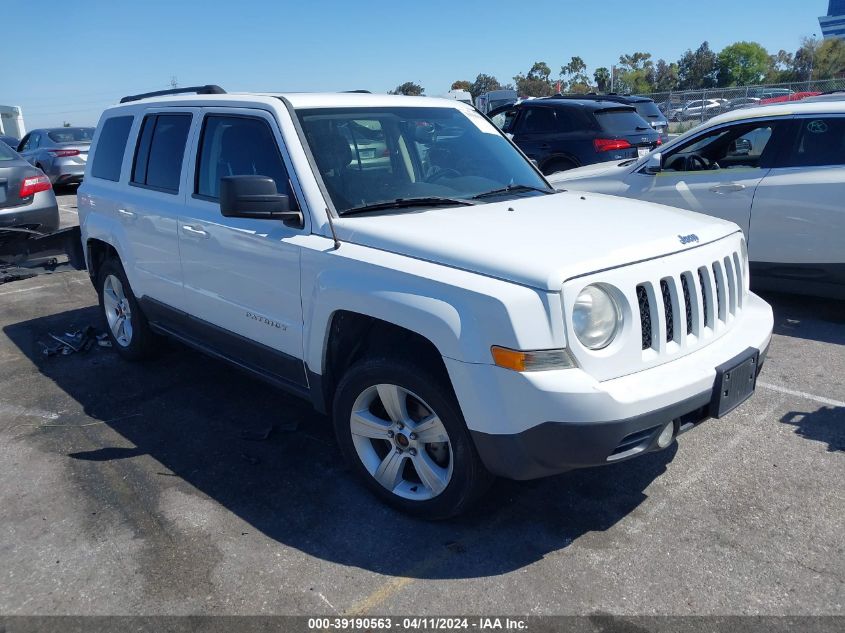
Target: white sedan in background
{"x": 778, "y": 171}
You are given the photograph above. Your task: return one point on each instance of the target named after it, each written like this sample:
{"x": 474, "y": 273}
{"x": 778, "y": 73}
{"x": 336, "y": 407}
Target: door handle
{"x": 126, "y": 214}
{"x": 192, "y": 230}
{"x": 727, "y": 188}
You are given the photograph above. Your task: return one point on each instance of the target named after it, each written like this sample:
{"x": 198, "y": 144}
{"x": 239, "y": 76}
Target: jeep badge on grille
{"x": 688, "y": 239}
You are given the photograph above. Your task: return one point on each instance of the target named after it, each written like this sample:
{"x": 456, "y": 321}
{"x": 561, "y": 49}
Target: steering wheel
{"x": 697, "y": 162}
{"x": 443, "y": 173}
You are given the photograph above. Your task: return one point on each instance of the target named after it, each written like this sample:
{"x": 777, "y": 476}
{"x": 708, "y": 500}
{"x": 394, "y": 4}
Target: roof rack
{"x": 208, "y": 89}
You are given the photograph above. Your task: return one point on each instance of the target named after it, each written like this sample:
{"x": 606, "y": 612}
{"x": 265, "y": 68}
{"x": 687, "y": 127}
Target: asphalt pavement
{"x": 180, "y": 485}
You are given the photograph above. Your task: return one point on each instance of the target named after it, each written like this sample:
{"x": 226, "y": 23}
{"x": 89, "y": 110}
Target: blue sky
{"x": 89, "y": 53}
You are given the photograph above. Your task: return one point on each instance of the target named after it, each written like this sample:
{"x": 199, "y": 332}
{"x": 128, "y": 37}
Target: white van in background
{"x": 489, "y": 101}
{"x": 459, "y": 95}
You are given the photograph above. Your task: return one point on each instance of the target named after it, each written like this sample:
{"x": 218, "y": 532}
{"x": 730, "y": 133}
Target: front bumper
{"x": 529, "y": 425}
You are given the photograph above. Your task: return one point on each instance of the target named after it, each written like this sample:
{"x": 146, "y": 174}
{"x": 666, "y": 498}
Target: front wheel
{"x": 401, "y": 429}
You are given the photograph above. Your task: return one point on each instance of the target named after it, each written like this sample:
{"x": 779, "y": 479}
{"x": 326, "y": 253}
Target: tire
{"x": 127, "y": 327}
{"x": 557, "y": 165}
{"x": 432, "y": 480}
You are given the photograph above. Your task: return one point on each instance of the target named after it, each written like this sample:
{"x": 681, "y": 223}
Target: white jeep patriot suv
{"x": 400, "y": 263}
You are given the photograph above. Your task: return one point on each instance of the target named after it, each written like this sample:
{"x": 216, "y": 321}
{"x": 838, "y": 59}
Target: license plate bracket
{"x": 735, "y": 382}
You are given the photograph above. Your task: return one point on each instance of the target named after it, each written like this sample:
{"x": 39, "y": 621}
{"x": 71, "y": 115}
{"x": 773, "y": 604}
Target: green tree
{"x": 602, "y": 78}
{"x": 574, "y": 77}
{"x": 742, "y": 64}
{"x": 635, "y": 73}
{"x": 462, "y": 84}
{"x": 697, "y": 69}
{"x": 781, "y": 67}
{"x": 536, "y": 82}
{"x": 484, "y": 83}
{"x": 804, "y": 57}
{"x": 829, "y": 61}
{"x": 665, "y": 76}
{"x": 408, "y": 88}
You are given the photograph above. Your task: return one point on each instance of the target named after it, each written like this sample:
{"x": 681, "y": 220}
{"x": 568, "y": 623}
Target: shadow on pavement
{"x": 192, "y": 415}
{"x": 809, "y": 318}
{"x": 823, "y": 425}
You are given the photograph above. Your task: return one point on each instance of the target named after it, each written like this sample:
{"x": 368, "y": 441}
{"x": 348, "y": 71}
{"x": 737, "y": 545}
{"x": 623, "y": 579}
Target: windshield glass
{"x": 6, "y": 152}
{"x": 368, "y": 156}
{"x": 72, "y": 135}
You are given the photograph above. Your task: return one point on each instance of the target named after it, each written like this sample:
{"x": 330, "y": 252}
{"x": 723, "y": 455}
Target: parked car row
{"x": 778, "y": 171}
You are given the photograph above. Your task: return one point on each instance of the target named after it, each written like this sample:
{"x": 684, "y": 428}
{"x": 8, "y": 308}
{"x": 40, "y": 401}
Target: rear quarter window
{"x": 108, "y": 154}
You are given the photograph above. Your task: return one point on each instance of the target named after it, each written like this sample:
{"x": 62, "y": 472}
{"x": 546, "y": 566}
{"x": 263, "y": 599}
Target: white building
{"x": 11, "y": 121}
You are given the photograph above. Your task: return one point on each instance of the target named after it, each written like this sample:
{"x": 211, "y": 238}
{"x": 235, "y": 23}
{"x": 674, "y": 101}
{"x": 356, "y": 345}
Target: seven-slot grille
{"x": 690, "y": 302}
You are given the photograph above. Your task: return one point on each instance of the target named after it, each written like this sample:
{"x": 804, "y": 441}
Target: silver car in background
{"x": 27, "y": 201}
{"x": 59, "y": 152}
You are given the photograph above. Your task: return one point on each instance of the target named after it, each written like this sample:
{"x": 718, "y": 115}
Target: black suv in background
{"x": 561, "y": 133}
{"x": 645, "y": 107}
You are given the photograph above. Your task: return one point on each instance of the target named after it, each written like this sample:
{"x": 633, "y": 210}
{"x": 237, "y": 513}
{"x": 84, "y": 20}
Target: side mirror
{"x": 255, "y": 197}
{"x": 654, "y": 164}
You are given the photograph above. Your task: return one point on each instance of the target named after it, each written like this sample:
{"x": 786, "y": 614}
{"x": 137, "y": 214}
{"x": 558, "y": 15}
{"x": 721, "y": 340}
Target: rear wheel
{"x": 126, "y": 325}
{"x": 401, "y": 429}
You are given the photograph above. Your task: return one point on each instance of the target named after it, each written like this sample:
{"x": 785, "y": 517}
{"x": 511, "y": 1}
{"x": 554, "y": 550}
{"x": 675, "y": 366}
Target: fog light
{"x": 666, "y": 435}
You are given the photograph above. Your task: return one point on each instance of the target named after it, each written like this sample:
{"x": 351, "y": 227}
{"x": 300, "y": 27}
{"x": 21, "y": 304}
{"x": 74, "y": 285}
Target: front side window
{"x": 368, "y": 156}
{"x": 737, "y": 146}
{"x": 238, "y": 146}
{"x": 820, "y": 141}
{"x": 504, "y": 120}
{"x": 110, "y": 148}
{"x": 160, "y": 150}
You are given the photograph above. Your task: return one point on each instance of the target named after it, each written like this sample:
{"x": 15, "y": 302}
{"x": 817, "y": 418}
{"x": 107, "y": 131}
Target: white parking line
{"x": 801, "y": 394}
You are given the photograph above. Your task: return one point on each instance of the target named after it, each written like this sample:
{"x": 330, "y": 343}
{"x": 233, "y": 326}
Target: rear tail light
{"x": 34, "y": 184}
{"x": 61, "y": 153}
{"x": 610, "y": 144}
{"x": 659, "y": 141}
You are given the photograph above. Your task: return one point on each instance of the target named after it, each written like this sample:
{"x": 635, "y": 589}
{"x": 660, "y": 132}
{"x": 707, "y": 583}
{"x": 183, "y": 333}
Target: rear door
{"x": 715, "y": 172}
{"x": 242, "y": 275}
{"x": 798, "y": 215}
{"x": 148, "y": 210}
{"x": 29, "y": 146}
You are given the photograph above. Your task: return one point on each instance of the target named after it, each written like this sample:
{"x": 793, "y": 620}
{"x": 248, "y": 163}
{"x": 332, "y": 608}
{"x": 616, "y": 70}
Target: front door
{"x": 242, "y": 275}
{"x": 715, "y": 173}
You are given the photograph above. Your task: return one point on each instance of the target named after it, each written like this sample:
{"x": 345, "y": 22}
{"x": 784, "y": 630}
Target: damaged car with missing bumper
{"x": 401, "y": 264}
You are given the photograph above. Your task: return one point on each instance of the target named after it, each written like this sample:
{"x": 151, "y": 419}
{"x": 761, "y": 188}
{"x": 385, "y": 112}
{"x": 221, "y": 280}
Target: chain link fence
{"x": 687, "y": 108}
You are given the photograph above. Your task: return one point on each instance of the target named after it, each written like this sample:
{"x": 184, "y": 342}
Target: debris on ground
{"x": 74, "y": 342}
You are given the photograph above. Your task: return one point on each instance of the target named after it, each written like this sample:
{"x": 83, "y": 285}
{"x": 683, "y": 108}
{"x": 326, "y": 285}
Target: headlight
{"x": 596, "y": 317}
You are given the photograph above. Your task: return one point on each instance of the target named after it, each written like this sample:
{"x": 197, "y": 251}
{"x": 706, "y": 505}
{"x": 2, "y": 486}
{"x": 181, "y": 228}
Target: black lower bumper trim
{"x": 555, "y": 447}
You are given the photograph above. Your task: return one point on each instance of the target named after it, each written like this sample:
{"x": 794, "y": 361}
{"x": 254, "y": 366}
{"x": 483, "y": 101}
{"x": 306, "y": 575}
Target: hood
{"x": 591, "y": 171}
{"x": 539, "y": 241}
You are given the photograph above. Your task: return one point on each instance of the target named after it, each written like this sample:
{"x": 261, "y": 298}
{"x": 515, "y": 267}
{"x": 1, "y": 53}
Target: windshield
{"x": 368, "y": 156}
{"x": 72, "y": 135}
{"x": 6, "y": 152}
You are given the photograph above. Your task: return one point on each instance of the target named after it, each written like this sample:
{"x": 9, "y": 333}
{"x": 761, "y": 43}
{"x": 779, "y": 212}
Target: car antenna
{"x": 331, "y": 228}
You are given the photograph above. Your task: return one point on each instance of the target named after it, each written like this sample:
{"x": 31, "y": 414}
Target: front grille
{"x": 667, "y": 310}
{"x": 685, "y": 286}
{"x": 645, "y": 316}
{"x": 708, "y": 298}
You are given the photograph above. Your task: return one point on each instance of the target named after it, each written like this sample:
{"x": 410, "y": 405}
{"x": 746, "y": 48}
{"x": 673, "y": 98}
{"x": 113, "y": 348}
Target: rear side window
{"x": 160, "y": 150}
{"x": 621, "y": 121}
{"x": 238, "y": 146}
{"x": 539, "y": 121}
{"x": 820, "y": 142}
{"x": 108, "y": 154}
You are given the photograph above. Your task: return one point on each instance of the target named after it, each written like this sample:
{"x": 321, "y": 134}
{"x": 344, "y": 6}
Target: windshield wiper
{"x": 509, "y": 188}
{"x": 400, "y": 203}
